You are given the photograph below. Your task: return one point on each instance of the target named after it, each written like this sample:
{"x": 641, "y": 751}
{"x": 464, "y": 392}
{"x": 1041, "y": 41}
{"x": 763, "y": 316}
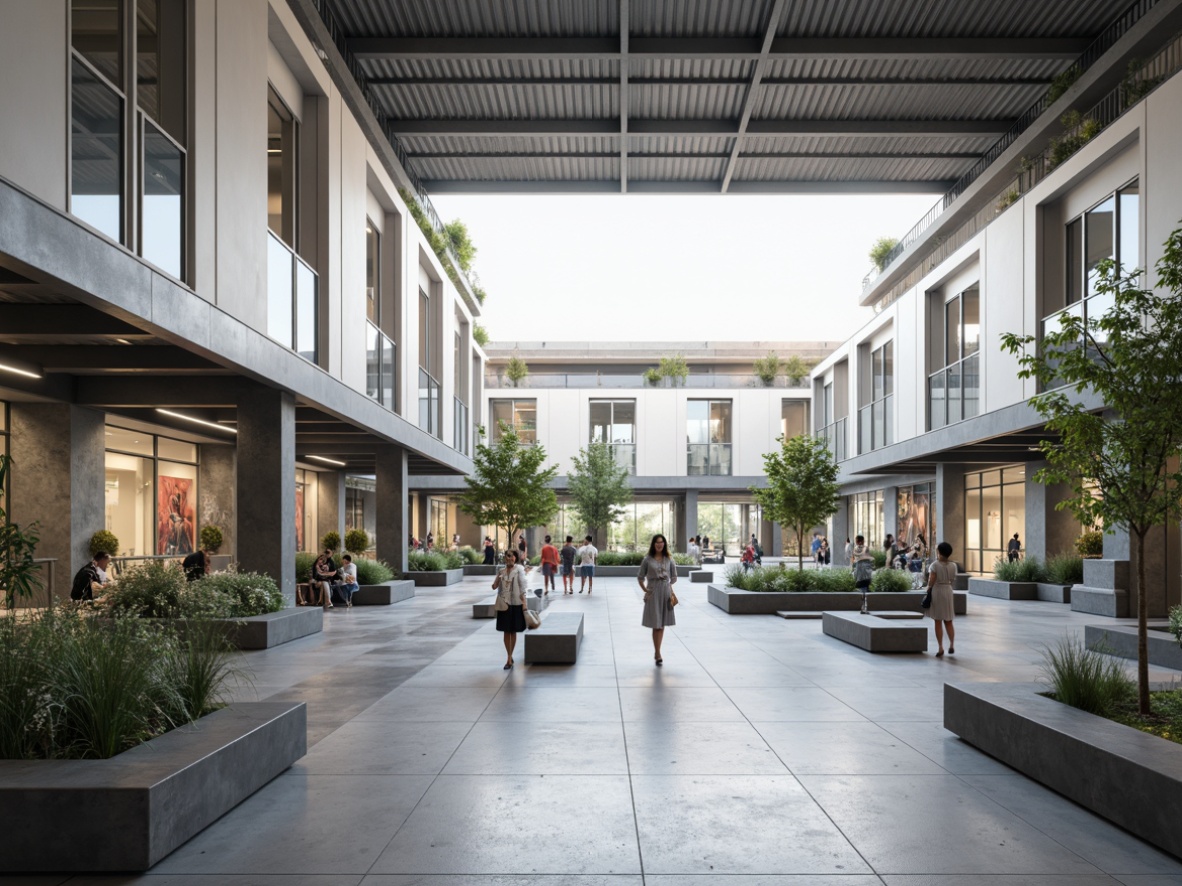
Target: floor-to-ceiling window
{"x": 865, "y": 519}
{"x": 916, "y": 514}
{"x": 151, "y": 493}
{"x": 708, "y": 437}
{"x": 641, "y": 521}
{"x": 614, "y": 422}
{"x": 730, "y": 524}
{"x": 306, "y": 505}
{"x": 995, "y": 508}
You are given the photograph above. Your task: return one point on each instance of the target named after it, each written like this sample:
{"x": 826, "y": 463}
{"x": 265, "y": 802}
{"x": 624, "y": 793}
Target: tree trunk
{"x": 800, "y": 548}
{"x": 1142, "y": 630}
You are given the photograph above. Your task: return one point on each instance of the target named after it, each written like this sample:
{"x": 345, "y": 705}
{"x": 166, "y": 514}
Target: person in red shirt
{"x": 549, "y": 565}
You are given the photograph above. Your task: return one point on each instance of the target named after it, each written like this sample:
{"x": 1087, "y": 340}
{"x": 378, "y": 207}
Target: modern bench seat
{"x": 877, "y": 632}
{"x": 556, "y": 641}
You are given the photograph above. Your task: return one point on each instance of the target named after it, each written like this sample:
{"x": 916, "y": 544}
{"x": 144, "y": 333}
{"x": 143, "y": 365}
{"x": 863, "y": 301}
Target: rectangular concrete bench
{"x": 556, "y": 641}
{"x": 702, "y": 576}
{"x": 487, "y": 608}
{"x": 874, "y": 633}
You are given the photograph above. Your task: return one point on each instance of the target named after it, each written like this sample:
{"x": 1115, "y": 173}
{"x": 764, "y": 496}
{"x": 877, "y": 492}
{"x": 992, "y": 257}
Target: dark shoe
{"x": 508, "y": 666}
{"x": 660, "y": 661}
{"x": 952, "y": 650}
{"x": 940, "y": 653}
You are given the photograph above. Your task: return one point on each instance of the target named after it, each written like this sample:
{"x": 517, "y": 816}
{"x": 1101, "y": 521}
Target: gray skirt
{"x": 657, "y": 611}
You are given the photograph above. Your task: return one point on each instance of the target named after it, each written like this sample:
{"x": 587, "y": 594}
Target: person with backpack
{"x": 862, "y": 563}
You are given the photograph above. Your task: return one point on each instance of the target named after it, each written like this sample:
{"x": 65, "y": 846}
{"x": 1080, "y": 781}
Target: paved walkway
{"x": 761, "y": 754}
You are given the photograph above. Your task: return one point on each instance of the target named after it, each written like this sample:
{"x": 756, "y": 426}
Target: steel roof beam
{"x": 612, "y": 186}
{"x": 737, "y": 48}
{"x": 699, "y": 128}
{"x": 625, "y": 98}
{"x": 705, "y": 155}
{"x": 900, "y": 80}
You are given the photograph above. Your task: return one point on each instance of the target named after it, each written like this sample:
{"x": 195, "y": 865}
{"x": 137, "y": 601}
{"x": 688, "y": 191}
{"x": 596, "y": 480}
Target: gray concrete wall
{"x": 330, "y": 504}
{"x": 58, "y": 472}
{"x": 392, "y": 519}
{"x": 1048, "y": 532}
{"x": 217, "y": 482}
{"x": 950, "y": 516}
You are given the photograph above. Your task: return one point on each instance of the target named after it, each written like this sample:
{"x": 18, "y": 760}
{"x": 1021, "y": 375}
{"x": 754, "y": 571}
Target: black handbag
{"x": 926, "y": 602}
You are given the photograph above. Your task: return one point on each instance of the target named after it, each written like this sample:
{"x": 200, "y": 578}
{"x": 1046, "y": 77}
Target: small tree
{"x": 330, "y": 541}
{"x": 802, "y": 489}
{"x": 19, "y": 575}
{"x": 516, "y": 370}
{"x": 798, "y": 369}
{"x": 1122, "y": 465}
{"x": 881, "y": 250}
{"x": 356, "y": 541}
{"x": 509, "y": 487}
{"x": 480, "y": 334}
{"x": 674, "y": 368}
{"x": 598, "y": 488}
{"x": 767, "y": 369}
{"x": 461, "y": 243}
{"x": 211, "y": 538}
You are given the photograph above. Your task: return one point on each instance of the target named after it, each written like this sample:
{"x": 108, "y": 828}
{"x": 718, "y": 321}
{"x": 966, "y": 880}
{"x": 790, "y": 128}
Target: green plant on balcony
{"x": 652, "y": 376}
{"x": 516, "y": 371}
{"x": 1062, "y": 82}
{"x": 461, "y": 243}
{"x": 439, "y": 241}
{"x": 768, "y": 369}
{"x": 1079, "y": 130}
{"x": 674, "y": 368}
{"x": 480, "y": 334}
{"x": 881, "y": 250}
{"x": 1134, "y": 87}
{"x": 797, "y": 368}
{"x": 1008, "y": 199}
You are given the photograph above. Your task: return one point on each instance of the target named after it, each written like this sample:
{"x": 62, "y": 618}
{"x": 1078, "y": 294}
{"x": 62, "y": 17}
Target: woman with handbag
{"x": 941, "y": 609}
{"x": 510, "y": 587}
{"x": 657, "y": 575}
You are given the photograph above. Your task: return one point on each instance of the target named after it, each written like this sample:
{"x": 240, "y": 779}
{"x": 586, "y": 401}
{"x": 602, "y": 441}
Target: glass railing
{"x": 460, "y": 428}
{"x": 835, "y": 435}
{"x": 876, "y": 427}
{"x": 954, "y": 392}
{"x": 634, "y": 380}
{"x": 624, "y": 455}
{"x": 380, "y": 366}
{"x": 292, "y": 303}
{"x": 428, "y": 403}
{"x": 708, "y": 459}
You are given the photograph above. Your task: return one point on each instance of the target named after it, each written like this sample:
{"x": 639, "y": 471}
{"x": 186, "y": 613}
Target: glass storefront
{"x": 865, "y": 518}
{"x": 916, "y": 513}
{"x": 305, "y": 510}
{"x": 641, "y": 521}
{"x": 995, "y": 508}
{"x": 151, "y": 493}
{"x": 729, "y": 524}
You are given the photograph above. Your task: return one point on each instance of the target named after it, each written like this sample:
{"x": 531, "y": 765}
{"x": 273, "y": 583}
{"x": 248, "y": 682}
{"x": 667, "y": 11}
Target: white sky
{"x": 676, "y": 267}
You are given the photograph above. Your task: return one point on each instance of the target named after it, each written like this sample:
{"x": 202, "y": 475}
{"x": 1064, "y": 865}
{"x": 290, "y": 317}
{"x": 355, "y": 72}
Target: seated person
{"x": 196, "y": 564}
{"x": 91, "y": 579}
{"x": 347, "y": 586}
{"x": 324, "y": 570}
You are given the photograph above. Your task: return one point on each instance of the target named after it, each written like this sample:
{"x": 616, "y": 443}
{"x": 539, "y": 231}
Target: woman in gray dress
{"x": 940, "y": 578}
{"x": 657, "y": 575}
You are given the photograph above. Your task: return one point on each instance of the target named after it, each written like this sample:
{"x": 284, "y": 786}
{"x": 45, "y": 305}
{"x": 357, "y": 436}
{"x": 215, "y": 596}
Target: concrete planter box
{"x": 1100, "y": 601}
{"x": 616, "y": 571}
{"x": 128, "y": 812}
{"x": 439, "y": 579}
{"x": 480, "y": 569}
{"x": 384, "y": 594}
{"x": 1003, "y": 590}
{"x": 738, "y": 602}
{"x": 266, "y": 630}
{"x": 1121, "y": 640}
{"x": 1129, "y": 777}
{"x": 702, "y": 576}
{"x": 1050, "y": 593}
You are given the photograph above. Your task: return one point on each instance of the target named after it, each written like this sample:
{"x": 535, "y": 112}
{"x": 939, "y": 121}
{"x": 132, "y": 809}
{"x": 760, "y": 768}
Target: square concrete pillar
{"x": 949, "y": 506}
{"x": 266, "y": 486}
{"x": 840, "y": 531}
{"x": 57, "y": 480}
{"x": 890, "y": 513}
{"x": 691, "y": 516}
{"x": 392, "y": 531}
{"x": 330, "y": 504}
{"x": 217, "y": 483}
{"x": 774, "y": 535}
{"x": 1049, "y": 532}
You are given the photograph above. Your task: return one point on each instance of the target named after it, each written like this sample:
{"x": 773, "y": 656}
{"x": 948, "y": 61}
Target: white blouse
{"x": 510, "y": 586}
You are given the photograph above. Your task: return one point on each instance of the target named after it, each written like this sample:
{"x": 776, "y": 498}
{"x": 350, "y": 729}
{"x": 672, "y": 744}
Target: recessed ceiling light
{"x": 197, "y": 421}
{"x": 19, "y": 367}
{"x": 327, "y": 461}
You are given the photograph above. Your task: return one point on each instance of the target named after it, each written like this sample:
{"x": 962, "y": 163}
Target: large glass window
{"x": 876, "y": 393}
{"x": 429, "y": 388}
{"x": 520, "y": 415}
{"x": 306, "y": 500}
{"x": 708, "y": 437}
{"x": 379, "y": 366}
{"x": 96, "y": 152}
{"x": 372, "y": 270}
{"x": 995, "y": 509}
{"x": 151, "y": 493}
{"x": 865, "y": 518}
{"x": 282, "y": 177}
{"x": 794, "y": 418}
{"x": 614, "y": 422}
{"x": 640, "y": 521}
{"x": 162, "y": 235}
{"x": 954, "y": 388}
{"x": 729, "y": 524}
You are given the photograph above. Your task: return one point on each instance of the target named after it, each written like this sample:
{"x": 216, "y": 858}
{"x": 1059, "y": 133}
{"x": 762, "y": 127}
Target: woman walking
{"x": 510, "y": 587}
{"x": 940, "y": 577}
{"x": 656, "y": 577}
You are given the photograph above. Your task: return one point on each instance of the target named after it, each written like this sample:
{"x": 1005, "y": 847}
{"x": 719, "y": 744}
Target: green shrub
{"x": 620, "y": 558}
{"x": 158, "y": 589}
{"x": 890, "y": 581}
{"x": 211, "y": 538}
{"x": 422, "y": 561}
{"x": 682, "y": 560}
{"x": 372, "y": 572}
{"x": 104, "y": 540}
{"x": 330, "y": 541}
{"x": 834, "y": 580}
{"x": 1029, "y": 569}
{"x": 1090, "y": 544}
{"x": 456, "y": 561}
{"x": 536, "y": 560}
{"x": 881, "y": 250}
{"x": 1062, "y": 83}
{"x": 1079, "y": 131}
{"x": 1064, "y": 569}
{"x": 1176, "y": 623}
{"x": 249, "y": 593}
{"x": 879, "y": 559}
{"x": 1085, "y": 678}
{"x": 356, "y": 541}
{"x": 471, "y": 556}
{"x": 303, "y": 566}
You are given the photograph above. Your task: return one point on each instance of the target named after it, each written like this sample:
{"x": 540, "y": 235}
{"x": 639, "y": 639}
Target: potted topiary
{"x": 104, "y": 540}
{"x": 211, "y": 538}
{"x": 331, "y": 541}
{"x": 356, "y": 541}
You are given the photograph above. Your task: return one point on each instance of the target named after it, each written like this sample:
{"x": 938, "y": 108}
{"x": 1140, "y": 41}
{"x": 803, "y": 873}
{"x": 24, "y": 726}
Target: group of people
{"x": 657, "y": 575}
{"x": 328, "y": 577}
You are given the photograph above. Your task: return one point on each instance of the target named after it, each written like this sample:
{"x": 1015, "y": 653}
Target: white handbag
{"x": 532, "y": 620}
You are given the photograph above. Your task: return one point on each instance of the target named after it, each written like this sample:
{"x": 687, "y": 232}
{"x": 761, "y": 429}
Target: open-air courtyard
{"x": 761, "y": 754}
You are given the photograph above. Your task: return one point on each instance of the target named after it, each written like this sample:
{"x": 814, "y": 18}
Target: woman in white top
{"x": 348, "y": 576}
{"x": 510, "y": 587}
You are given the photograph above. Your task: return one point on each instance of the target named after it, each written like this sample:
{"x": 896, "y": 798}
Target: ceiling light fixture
{"x": 20, "y": 367}
{"x": 196, "y": 421}
{"x": 327, "y": 461}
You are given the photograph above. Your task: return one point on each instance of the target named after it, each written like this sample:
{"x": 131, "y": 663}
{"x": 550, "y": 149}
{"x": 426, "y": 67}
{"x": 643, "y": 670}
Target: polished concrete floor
{"x": 761, "y": 754}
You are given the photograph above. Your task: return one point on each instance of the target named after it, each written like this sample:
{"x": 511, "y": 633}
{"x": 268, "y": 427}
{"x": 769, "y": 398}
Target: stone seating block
{"x": 1100, "y": 601}
{"x": 875, "y": 634}
{"x": 1003, "y": 590}
{"x": 385, "y": 594}
{"x": 556, "y": 641}
{"x": 702, "y": 576}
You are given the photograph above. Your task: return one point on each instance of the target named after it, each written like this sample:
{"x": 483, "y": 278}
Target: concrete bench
{"x": 876, "y": 633}
{"x": 487, "y": 608}
{"x": 556, "y": 641}
{"x": 702, "y": 576}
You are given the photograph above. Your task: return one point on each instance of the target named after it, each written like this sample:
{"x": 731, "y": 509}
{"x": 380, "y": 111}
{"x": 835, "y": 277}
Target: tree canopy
{"x": 1122, "y": 353}
{"x": 598, "y": 488}
{"x": 509, "y": 487}
{"x": 802, "y": 490}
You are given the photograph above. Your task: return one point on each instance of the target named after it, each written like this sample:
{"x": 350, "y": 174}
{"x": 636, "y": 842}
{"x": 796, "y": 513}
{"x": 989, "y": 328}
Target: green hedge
{"x": 435, "y": 561}
{"x": 471, "y": 556}
{"x": 774, "y": 579}
{"x": 1029, "y": 569}
{"x": 372, "y": 572}
{"x": 158, "y": 589}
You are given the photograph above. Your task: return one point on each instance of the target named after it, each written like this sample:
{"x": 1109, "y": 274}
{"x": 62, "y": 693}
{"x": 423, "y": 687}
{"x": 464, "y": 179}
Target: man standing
{"x": 588, "y": 554}
{"x": 816, "y": 546}
{"x": 1013, "y": 549}
{"x": 568, "y": 554}
{"x": 549, "y": 565}
{"x": 695, "y": 552}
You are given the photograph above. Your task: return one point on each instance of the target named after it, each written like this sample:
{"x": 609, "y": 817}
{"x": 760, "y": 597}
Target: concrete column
{"x": 217, "y": 482}
{"x": 1048, "y": 532}
{"x": 949, "y": 504}
{"x": 392, "y": 522}
{"x": 266, "y": 486}
{"x": 841, "y": 530}
{"x": 691, "y": 515}
{"x": 57, "y": 481}
{"x": 330, "y": 504}
{"x": 890, "y": 513}
{"x": 771, "y": 538}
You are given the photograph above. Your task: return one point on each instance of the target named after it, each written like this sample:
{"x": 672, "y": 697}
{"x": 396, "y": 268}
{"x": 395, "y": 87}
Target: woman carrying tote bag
{"x": 657, "y": 575}
{"x": 510, "y": 587}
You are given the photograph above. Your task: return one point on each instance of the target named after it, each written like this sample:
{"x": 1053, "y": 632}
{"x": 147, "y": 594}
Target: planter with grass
{"x": 377, "y": 585}
{"x": 1120, "y": 639}
{"x": 1123, "y": 774}
{"x": 1060, "y": 574}
{"x": 1016, "y": 580}
{"x": 768, "y": 591}
{"x": 434, "y": 569}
